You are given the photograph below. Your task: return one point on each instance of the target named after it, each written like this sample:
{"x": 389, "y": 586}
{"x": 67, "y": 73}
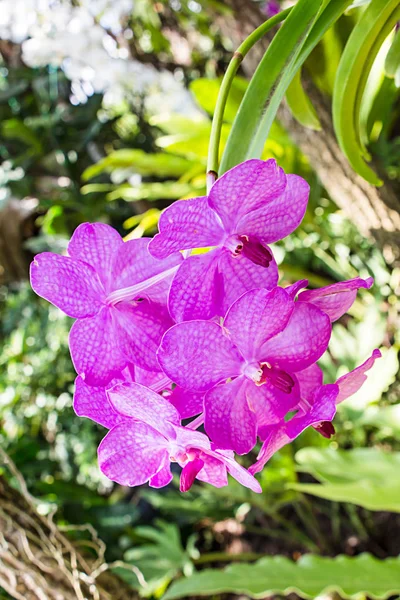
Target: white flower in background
{"x": 80, "y": 39}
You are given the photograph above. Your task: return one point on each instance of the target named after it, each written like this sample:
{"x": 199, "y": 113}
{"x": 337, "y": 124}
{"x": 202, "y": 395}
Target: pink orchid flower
{"x": 317, "y": 408}
{"x": 141, "y": 448}
{"x": 249, "y": 207}
{"x": 335, "y": 299}
{"x": 117, "y": 293}
{"x": 247, "y": 364}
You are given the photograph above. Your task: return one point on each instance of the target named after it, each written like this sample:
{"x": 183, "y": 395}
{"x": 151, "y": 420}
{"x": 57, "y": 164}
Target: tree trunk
{"x": 17, "y": 224}
{"x": 38, "y": 562}
{"x": 374, "y": 211}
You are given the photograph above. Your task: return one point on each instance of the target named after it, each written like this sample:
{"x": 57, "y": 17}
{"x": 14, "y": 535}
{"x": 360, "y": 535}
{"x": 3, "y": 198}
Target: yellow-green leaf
{"x": 368, "y": 477}
{"x": 300, "y": 104}
{"x": 309, "y": 577}
{"x": 363, "y": 45}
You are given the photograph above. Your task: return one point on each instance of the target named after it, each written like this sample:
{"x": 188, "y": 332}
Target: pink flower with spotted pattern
{"x": 117, "y": 293}
{"x": 249, "y": 207}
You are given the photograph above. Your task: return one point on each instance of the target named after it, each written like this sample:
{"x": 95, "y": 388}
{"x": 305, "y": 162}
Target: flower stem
{"x": 237, "y": 58}
{"x": 197, "y": 422}
{"x": 130, "y": 293}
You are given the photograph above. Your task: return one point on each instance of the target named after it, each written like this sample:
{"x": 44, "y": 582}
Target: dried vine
{"x": 38, "y": 561}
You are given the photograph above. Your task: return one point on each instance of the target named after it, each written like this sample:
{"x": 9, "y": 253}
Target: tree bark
{"x": 38, "y": 562}
{"x": 17, "y": 224}
{"x": 374, "y": 211}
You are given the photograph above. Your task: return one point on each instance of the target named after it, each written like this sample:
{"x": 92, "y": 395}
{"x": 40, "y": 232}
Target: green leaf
{"x": 159, "y": 560}
{"x": 311, "y": 576}
{"x": 167, "y": 190}
{"x": 17, "y": 130}
{"x": 157, "y": 164}
{"x": 300, "y": 104}
{"x": 367, "y": 477}
{"x": 206, "y": 94}
{"x": 392, "y": 63}
{"x": 386, "y": 418}
{"x": 268, "y": 86}
{"x": 324, "y": 60}
{"x": 364, "y": 43}
{"x": 331, "y": 13}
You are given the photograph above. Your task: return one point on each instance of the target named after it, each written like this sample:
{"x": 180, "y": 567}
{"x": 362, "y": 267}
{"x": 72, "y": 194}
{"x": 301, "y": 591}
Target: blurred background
{"x": 105, "y": 110}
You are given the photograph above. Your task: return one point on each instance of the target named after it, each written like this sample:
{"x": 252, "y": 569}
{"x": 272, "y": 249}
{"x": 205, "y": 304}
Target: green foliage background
{"x": 325, "y": 497}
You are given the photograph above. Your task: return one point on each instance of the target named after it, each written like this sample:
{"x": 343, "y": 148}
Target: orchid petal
{"x": 163, "y": 477}
{"x": 156, "y": 380}
{"x": 229, "y": 420}
{"x": 139, "y": 329}
{"x": 142, "y": 404}
{"x": 197, "y": 354}
{"x": 271, "y": 404}
{"x": 132, "y": 453}
{"x": 257, "y": 316}
{"x": 134, "y": 264}
{"x": 92, "y": 402}
{"x": 323, "y": 408}
{"x": 242, "y": 475}
{"x": 192, "y": 439}
{"x": 95, "y": 349}
{"x": 196, "y": 291}
{"x": 295, "y": 288}
{"x": 71, "y": 285}
{"x": 274, "y": 441}
{"x": 310, "y": 380}
{"x": 350, "y": 383}
{"x": 184, "y": 225}
{"x": 213, "y": 471}
{"x": 240, "y": 275}
{"x": 336, "y": 299}
{"x": 96, "y": 244}
{"x": 277, "y": 436}
{"x": 278, "y": 218}
{"x": 246, "y": 187}
{"x": 188, "y": 404}
{"x": 302, "y": 342}
{"x": 189, "y": 474}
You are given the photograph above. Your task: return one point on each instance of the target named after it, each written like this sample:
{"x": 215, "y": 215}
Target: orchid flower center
{"x": 250, "y": 247}
{"x": 182, "y": 456}
{"x": 253, "y": 371}
{"x": 279, "y": 378}
{"x": 261, "y": 373}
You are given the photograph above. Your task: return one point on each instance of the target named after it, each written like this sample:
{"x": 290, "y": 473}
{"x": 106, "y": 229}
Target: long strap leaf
{"x": 374, "y": 26}
{"x": 392, "y": 64}
{"x": 310, "y": 577}
{"x": 268, "y": 85}
{"x": 283, "y": 58}
{"x": 300, "y": 105}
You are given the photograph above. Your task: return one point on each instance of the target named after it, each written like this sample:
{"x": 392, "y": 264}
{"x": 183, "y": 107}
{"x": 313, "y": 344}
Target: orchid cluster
{"x": 190, "y": 330}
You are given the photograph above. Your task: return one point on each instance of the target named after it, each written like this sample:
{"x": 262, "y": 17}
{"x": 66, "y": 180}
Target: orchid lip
{"x": 132, "y": 292}
{"x": 277, "y": 377}
{"x": 325, "y": 428}
{"x": 255, "y": 251}
{"x": 250, "y": 247}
